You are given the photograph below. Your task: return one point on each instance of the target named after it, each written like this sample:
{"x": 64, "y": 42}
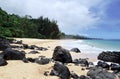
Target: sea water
{"x": 113, "y": 45}
{"x": 92, "y": 47}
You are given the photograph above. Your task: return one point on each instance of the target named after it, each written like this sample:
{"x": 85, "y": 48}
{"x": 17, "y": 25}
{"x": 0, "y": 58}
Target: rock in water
{"x": 62, "y": 55}
{"x": 75, "y": 50}
{"x": 99, "y": 73}
{"x": 61, "y": 71}
{"x": 4, "y": 44}
{"x": 10, "y": 54}
{"x": 110, "y": 56}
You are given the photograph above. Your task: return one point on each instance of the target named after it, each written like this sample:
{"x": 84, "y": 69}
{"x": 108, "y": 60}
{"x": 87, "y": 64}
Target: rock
{"x": 19, "y": 42}
{"x": 46, "y": 73}
{"x": 25, "y": 60}
{"x": 100, "y": 73}
{"x": 61, "y": 71}
{"x": 109, "y": 56}
{"x": 76, "y": 62}
{"x": 91, "y": 64}
{"x": 103, "y": 65}
{"x": 115, "y": 67}
{"x": 82, "y": 69}
{"x": 25, "y": 46}
{"x": 10, "y": 54}
{"x": 41, "y": 48}
{"x": 42, "y": 60}
{"x": 118, "y": 74}
{"x": 31, "y": 60}
{"x": 74, "y": 75}
{"x": 83, "y": 77}
{"x": 3, "y": 62}
{"x": 32, "y": 47}
{"x": 33, "y": 52}
{"x": 84, "y": 62}
{"x": 62, "y": 55}
{"x": 4, "y": 44}
{"x": 75, "y": 50}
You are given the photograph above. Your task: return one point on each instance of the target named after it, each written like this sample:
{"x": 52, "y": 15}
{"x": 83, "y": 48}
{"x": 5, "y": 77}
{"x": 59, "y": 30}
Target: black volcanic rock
{"x": 42, "y": 60}
{"x": 33, "y": 52}
{"x": 10, "y": 54}
{"x": 75, "y": 50}
{"x": 100, "y": 73}
{"x": 61, "y": 71}
{"x": 109, "y": 56}
{"x": 74, "y": 75}
{"x": 4, "y": 44}
{"x": 62, "y": 55}
{"x": 3, "y": 62}
{"x": 103, "y": 65}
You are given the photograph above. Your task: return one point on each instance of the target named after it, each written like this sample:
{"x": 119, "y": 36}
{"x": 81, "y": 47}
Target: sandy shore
{"x": 20, "y": 70}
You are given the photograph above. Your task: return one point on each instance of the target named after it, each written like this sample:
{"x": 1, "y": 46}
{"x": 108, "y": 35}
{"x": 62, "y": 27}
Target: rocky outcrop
{"x": 61, "y": 71}
{"x": 100, "y": 73}
{"x": 62, "y": 55}
{"x": 110, "y": 56}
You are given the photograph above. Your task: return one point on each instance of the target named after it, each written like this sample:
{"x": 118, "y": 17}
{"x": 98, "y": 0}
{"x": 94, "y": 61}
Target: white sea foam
{"x": 82, "y": 45}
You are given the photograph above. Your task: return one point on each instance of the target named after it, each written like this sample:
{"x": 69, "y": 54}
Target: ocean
{"x": 93, "y": 46}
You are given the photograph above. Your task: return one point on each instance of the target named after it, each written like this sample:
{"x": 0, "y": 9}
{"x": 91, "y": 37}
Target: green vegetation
{"x": 64, "y": 36}
{"x": 27, "y": 27}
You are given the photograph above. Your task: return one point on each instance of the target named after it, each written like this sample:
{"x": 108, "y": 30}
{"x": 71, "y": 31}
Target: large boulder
{"x": 10, "y": 54}
{"x": 100, "y": 73}
{"x": 75, "y": 50}
{"x": 62, "y": 55}
{"x": 109, "y": 56}
{"x": 61, "y": 71}
{"x": 4, "y": 44}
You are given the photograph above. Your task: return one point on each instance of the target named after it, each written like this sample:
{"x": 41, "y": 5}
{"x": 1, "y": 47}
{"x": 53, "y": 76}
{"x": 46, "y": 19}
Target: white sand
{"x": 17, "y": 69}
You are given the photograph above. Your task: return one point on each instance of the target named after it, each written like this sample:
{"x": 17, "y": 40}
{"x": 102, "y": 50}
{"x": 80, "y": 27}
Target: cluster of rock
{"x": 99, "y": 71}
{"x": 9, "y": 53}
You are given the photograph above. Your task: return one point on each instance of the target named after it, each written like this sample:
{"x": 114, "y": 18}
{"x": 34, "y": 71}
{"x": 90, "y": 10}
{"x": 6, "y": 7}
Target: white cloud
{"x": 72, "y": 15}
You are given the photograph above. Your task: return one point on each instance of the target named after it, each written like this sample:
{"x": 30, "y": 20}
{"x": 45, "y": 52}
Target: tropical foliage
{"x": 16, "y": 26}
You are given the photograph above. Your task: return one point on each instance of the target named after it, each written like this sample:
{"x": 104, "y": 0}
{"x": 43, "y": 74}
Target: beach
{"x": 17, "y": 69}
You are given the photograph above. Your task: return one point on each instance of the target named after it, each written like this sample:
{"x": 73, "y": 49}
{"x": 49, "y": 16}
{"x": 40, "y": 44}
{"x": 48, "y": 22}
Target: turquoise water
{"x": 105, "y": 44}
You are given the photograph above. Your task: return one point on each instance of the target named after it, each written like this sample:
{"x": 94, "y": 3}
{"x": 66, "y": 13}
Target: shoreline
{"x": 23, "y": 70}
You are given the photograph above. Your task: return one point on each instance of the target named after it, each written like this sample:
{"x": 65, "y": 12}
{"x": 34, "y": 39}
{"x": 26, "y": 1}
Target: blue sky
{"x": 92, "y": 18}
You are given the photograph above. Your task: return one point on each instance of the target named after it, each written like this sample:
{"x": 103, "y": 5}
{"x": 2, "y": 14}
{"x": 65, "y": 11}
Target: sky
{"x": 92, "y": 18}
